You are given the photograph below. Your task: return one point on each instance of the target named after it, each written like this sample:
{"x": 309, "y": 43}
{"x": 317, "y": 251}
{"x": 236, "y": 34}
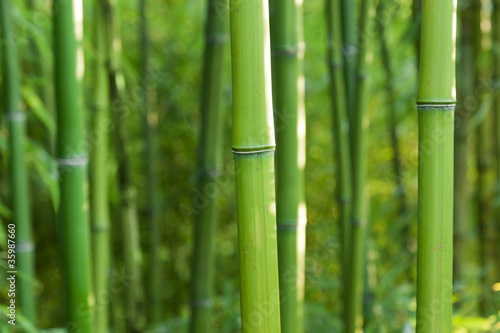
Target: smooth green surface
{"x": 99, "y": 203}
{"x": 436, "y": 99}
{"x": 257, "y": 248}
{"x": 340, "y": 128}
{"x": 350, "y": 49}
{"x": 71, "y": 154}
{"x": 287, "y": 50}
{"x": 21, "y": 215}
{"x": 253, "y": 147}
{"x": 359, "y": 132}
{"x": 496, "y": 106}
{"x": 210, "y": 144}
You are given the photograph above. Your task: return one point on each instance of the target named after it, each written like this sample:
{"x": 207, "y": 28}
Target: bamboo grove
{"x": 250, "y": 166}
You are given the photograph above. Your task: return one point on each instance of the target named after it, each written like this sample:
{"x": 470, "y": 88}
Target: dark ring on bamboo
{"x": 335, "y": 64}
{"x": 358, "y": 222}
{"x": 25, "y": 247}
{"x": 202, "y": 303}
{"x": 99, "y": 229}
{"x": 257, "y": 151}
{"x": 285, "y": 51}
{"x": 216, "y": 39}
{"x": 298, "y": 223}
{"x": 72, "y": 161}
{"x": 209, "y": 172}
{"x": 344, "y": 201}
{"x": 350, "y": 49}
{"x": 15, "y": 116}
{"x": 436, "y": 106}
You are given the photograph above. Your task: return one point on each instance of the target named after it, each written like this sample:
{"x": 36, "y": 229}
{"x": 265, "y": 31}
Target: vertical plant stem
{"x": 153, "y": 202}
{"x": 359, "y": 127}
{"x": 253, "y": 147}
{"x": 496, "y": 106}
{"x": 72, "y": 161}
{"x": 209, "y": 168}
{"x": 436, "y": 104}
{"x": 287, "y": 50}
{"x": 340, "y": 127}
{"x": 350, "y": 49}
{"x": 99, "y": 202}
{"x": 19, "y": 187}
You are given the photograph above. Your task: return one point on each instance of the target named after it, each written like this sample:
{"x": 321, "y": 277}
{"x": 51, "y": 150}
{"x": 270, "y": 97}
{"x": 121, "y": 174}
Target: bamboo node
{"x": 257, "y": 150}
{"x": 290, "y": 224}
{"x": 15, "y": 116}
{"x": 358, "y": 222}
{"x": 201, "y": 303}
{"x": 350, "y": 49}
{"x": 436, "y": 106}
{"x": 286, "y": 51}
{"x": 216, "y": 39}
{"x": 73, "y": 161}
{"x": 25, "y": 247}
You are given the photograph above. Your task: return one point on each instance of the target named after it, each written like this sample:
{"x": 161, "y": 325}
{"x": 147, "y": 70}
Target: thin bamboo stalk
{"x": 359, "y": 130}
{"x": 436, "y": 104}
{"x": 253, "y": 147}
{"x": 153, "y": 203}
{"x": 287, "y": 50}
{"x": 210, "y": 164}
{"x": 340, "y": 127}
{"x": 99, "y": 203}
{"x": 350, "y": 49}
{"x": 131, "y": 246}
{"x": 24, "y": 257}
{"x": 72, "y": 162}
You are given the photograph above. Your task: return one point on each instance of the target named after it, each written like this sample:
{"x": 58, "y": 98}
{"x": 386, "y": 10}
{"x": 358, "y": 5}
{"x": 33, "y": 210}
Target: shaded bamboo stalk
{"x": 287, "y": 51}
{"x": 72, "y": 162}
{"x": 359, "y": 128}
{"x": 253, "y": 148}
{"x": 210, "y": 144}
{"x": 436, "y": 104}
{"x": 391, "y": 117}
{"x": 21, "y": 249}
{"x": 131, "y": 245}
{"x": 99, "y": 203}
{"x": 340, "y": 127}
{"x": 150, "y": 120}
{"x": 350, "y": 49}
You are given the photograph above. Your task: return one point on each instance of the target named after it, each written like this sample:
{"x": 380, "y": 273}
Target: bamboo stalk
{"x": 496, "y": 106}
{"x": 153, "y": 201}
{"x": 436, "y": 104}
{"x": 253, "y": 147}
{"x": 72, "y": 162}
{"x": 287, "y": 50}
{"x": 19, "y": 188}
{"x": 130, "y": 230}
{"x": 359, "y": 130}
{"x": 350, "y": 49}
{"x": 210, "y": 164}
{"x": 340, "y": 127}
{"x": 99, "y": 202}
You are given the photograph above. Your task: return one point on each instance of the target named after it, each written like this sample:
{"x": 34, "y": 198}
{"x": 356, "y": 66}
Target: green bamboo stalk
{"x": 131, "y": 246}
{"x": 153, "y": 202}
{"x": 209, "y": 168}
{"x": 253, "y": 147}
{"x": 287, "y": 50}
{"x": 359, "y": 130}
{"x": 340, "y": 127}
{"x": 72, "y": 161}
{"x": 391, "y": 117}
{"x": 466, "y": 85}
{"x": 350, "y": 49}
{"x": 99, "y": 203}
{"x": 19, "y": 188}
{"x": 436, "y": 104}
{"x": 496, "y": 106}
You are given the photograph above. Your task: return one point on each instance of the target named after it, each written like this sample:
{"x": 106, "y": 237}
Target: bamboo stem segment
{"x": 253, "y": 147}
{"x": 436, "y": 104}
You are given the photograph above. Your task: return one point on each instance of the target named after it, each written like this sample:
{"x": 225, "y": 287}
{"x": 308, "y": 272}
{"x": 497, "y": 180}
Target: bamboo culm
{"x": 209, "y": 168}
{"x": 99, "y": 203}
{"x": 19, "y": 187}
{"x": 436, "y": 105}
{"x": 72, "y": 162}
{"x": 253, "y": 148}
{"x": 287, "y": 51}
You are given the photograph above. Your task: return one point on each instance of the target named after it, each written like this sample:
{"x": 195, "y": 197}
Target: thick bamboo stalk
{"x": 359, "y": 131}
{"x": 130, "y": 229}
{"x": 24, "y": 260}
{"x": 253, "y": 147}
{"x": 287, "y": 50}
{"x": 496, "y": 106}
{"x": 72, "y": 161}
{"x": 436, "y": 104}
{"x": 209, "y": 168}
{"x": 340, "y": 127}
{"x": 153, "y": 201}
{"x": 391, "y": 116}
{"x": 99, "y": 203}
